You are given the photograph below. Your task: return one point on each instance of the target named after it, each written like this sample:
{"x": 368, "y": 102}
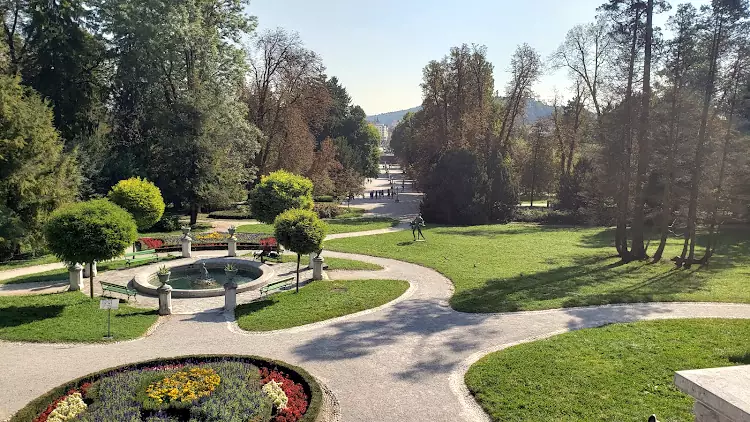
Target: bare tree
{"x": 284, "y": 95}
{"x": 526, "y": 68}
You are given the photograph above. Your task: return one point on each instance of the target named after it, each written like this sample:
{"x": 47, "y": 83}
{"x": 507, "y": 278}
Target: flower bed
{"x": 194, "y": 388}
{"x": 207, "y": 240}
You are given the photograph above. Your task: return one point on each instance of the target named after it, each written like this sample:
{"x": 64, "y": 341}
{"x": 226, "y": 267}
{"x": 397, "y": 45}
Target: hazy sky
{"x": 377, "y": 49}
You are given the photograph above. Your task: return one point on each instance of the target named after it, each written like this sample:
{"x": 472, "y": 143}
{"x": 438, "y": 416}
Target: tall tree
{"x": 36, "y": 176}
{"x": 526, "y": 68}
{"x": 177, "y": 114}
{"x": 720, "y": 21}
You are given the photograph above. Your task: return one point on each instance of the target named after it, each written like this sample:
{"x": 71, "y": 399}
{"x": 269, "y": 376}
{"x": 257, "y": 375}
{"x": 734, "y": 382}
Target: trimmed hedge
{"x": 548, "y": 216}
{"x": 141, "y": 198}
{"x": 299, "y": 375}
{"x": 231, "y": 214}
{"x": 323, "y": 198}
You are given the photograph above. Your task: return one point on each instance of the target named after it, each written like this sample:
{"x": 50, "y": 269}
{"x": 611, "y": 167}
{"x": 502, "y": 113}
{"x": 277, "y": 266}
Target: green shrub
{"x": 168, "y": 223}
{"x": 90, "y": 231}
{"x": 328, "y": 210}
{"x": 140, "y": 198}
{"x": 241, "y": 212}
{"x": 323, "y": 198}
{"x": 548, "y": 216}
{"x": 278, "y": 192}
{"x": 300, "y": 231}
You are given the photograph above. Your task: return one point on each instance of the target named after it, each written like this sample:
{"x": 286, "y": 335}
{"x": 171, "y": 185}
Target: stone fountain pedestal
{"x": 165, "y": 299}
{"x": 230, "y": 296}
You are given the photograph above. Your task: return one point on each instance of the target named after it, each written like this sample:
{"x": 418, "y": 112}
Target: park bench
{"x": 276, "y": 285}
{"x": 116, "y": 288}
{"x": 141, "y": 256}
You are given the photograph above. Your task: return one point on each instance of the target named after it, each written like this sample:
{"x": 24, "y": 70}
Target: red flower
{"x": 152, "y": 243}
{"x": 295, "y": 393}
{"x": 44, "y": 415}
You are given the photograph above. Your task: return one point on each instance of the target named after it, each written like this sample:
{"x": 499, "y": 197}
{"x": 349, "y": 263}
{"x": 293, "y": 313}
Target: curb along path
{"x": 401, "y": 362}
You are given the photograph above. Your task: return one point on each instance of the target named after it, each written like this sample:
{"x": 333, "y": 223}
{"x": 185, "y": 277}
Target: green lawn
{"x": 335, "y": 225}
{"x": 61, "y": 274}
{"x": 44, "y": 259}
{"x": 317, "y": 301}
{"x": 68, "y": 317}
{"x": 336, "y": 263}
{"x": 526, "y": 267}
{"x": 621, "y": 372}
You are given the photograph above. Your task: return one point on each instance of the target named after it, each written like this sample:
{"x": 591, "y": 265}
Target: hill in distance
{"x": 535, "y": 110}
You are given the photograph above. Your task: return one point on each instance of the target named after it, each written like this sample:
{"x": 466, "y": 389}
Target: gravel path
{"x": 403, "y": 361}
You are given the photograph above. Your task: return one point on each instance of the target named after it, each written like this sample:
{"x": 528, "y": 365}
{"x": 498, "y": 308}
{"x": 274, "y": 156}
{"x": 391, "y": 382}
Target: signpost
{"x": 109, "y": 304}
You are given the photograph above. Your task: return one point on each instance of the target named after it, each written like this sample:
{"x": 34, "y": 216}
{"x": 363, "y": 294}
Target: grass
{"x": 40, "y": 260}
{"x": 315, "y": 302}
{"x": 67, "y": 317}
{"x": 196, "y": 228}
{"x": 336, "y": 263}
{"x": 621, "y": 372}
{"x": 335, "y": 225}
{"x": 518, "y": 267}
{"x": 61, "y": 274}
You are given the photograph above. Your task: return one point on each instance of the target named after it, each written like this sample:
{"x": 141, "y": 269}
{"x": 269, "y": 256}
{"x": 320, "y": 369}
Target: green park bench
{"x": 276, "y": 285}
{"x": 116, "y": 288}
{"x": 141, "y": 256}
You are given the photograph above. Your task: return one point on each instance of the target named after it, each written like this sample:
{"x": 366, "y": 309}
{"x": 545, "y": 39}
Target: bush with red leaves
{"x": 295, "y": 393}
{"x": 44, "y": 415}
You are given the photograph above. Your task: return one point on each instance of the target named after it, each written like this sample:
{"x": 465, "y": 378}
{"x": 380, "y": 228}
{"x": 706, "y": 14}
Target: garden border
{"x": 297, "y": 374}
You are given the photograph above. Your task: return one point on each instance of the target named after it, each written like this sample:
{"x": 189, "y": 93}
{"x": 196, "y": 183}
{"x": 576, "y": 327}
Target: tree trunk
{"x": 91, "y": 280}
{"x": 638, "y": 250}
{"x": 696, "y": 172}
{"x": 194, "y": 210}
{"x": 297, "y": 289}
{"x": 626, "y": 145}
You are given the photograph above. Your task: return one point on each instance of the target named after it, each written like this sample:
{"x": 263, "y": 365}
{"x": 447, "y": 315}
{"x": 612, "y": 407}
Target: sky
{"x": 378, "y": 49}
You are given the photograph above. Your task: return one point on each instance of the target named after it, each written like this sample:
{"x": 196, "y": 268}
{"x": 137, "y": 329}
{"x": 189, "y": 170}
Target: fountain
{"x": 206, "y": 277}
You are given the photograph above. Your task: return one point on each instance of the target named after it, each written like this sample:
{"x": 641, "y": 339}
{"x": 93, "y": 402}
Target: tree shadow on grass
{"x": 250, "y": 307}
{"x": 562, "y": 287}
{"x": 740, "y": 359}
{"x": 14, "y": 316}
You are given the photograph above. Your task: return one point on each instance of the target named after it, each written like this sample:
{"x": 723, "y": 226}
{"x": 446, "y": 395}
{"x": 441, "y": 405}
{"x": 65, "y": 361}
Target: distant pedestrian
{"x": 370, "y": 194}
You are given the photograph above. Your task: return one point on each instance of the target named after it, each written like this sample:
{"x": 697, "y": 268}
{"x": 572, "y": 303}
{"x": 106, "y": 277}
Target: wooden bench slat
{"x": 143, "y": 252}
{"x": 276, "y": 284}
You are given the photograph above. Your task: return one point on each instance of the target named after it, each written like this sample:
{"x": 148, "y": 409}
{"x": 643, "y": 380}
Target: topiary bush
{"x": 300, "y": 231}
{"x": 90, "y": 231}
{"x": 140, "y": 198}
{"x": 278, "y": 192}
{"x": 323, "y": 198}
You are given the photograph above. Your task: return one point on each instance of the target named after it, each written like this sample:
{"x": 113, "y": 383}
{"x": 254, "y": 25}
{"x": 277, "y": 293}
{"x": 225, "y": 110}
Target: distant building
{"x": 385, "y": 135}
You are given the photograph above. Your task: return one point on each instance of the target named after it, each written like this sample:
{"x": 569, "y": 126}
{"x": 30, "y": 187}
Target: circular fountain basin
{"x": 187, "y": 279}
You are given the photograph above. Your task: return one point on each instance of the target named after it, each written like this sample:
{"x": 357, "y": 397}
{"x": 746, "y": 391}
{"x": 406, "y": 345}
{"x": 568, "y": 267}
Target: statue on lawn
{"x": 416, "y": 227}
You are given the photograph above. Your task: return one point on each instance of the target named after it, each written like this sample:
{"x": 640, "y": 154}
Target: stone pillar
{"x": 187, "y": 243}
{"x": 87, "y": 267}
{"x": 75, "y": 277}
{"x": 721, "y": 394}
{"x": 165, "y": 299}
{"x": 318, "y": 268}
{"x": 232, "y": 245}
{"x": 230, "y": 296}
{"x": 312, "y": 259}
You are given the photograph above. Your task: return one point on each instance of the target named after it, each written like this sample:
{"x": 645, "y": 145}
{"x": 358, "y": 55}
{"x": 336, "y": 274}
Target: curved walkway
{"x": 401, "y": 362}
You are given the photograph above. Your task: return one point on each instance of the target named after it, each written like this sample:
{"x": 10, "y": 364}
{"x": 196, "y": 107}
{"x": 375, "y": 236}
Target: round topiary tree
{"x": 140, "y": 198}
{"x": 300, "y": 231}
{"x": 278, "y": 192}
{"x": 90, "y": 231}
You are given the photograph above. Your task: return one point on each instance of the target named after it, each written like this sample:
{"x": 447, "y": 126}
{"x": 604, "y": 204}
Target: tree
{"x": 96, "y": 230}
{"x": 456, "y": 200}
{"x": 526, "y": 68}
{"x": 36, "y": 176}
{"x": 140, "y": 198}
{"x": 300, "y": 231}
{"x": 287, "y": 100}
{"x": 348, "y": 183}
{"x": 177, "y": 115}
{"x": 720, "y": 20}
{"x": 278, "y": 192}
